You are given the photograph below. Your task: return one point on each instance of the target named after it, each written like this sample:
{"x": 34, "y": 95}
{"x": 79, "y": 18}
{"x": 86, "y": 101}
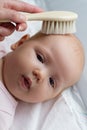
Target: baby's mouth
{"x": 26, "y": 82}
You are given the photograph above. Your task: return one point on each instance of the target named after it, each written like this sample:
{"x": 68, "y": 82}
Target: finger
{"x": 6, "y": 29}
{"x": 12, "y": 15}
{"x": 2, "y": 38}
{"x": 21, "y": 26}
{"x": 22, "y": 6}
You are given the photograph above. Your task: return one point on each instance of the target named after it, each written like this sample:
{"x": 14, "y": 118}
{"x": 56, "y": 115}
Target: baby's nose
{"x": 38, "y": 75}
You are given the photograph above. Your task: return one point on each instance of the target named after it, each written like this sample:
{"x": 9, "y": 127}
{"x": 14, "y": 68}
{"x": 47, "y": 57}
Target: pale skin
{"x": 41, "y": 67}
{"x": 10, "y": 10}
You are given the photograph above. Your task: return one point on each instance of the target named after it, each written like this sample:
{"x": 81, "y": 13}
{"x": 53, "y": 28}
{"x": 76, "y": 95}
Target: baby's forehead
{"x": 67, "y": 43}
{"x": 62, "y": 42}
{"x": 56, "y": 39}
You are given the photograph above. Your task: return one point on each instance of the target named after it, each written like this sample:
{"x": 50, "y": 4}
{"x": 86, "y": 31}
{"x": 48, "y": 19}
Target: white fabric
{"x": 7, "y": 108}
{"x": 7, "y": 102}
{"x": 51, "y": 115}
{"x": 77, "y": 106}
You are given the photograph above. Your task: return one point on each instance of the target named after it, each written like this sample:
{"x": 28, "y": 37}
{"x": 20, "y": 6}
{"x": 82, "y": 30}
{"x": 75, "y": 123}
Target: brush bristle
{"x": 58, "y": 27}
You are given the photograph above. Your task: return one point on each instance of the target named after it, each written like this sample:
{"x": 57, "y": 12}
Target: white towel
{"x": 51, "y": 115}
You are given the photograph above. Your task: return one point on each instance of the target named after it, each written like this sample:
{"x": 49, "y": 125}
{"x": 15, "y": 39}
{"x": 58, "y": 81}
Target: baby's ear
{"x": 20, "y": 42}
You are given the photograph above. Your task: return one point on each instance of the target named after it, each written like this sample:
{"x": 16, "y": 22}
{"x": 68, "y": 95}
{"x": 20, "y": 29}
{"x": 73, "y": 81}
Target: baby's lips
{"x": 28, "y": 81}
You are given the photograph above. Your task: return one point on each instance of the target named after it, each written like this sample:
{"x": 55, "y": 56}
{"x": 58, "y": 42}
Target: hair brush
{"x": 54, "y": 22}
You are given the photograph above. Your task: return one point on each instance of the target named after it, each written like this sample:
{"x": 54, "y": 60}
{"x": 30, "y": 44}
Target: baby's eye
{"x": 40, "y": 57}
{"x": 52, "y": 82}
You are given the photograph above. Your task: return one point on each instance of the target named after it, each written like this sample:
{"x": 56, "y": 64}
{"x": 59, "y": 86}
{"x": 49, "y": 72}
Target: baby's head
{"x": 43, "y": 66}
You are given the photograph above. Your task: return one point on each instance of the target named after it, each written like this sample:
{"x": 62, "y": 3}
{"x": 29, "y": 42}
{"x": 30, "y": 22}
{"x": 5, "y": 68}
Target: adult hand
{"x": 10, "y": 9}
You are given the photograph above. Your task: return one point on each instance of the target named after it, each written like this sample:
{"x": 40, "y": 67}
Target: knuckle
{"x": 13, "y": 16}
{"x": 17, "y": 17}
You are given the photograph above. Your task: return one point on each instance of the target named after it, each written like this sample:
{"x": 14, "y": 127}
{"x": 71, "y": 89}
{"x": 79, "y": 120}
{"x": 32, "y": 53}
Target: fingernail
{"x": 20, "y": 28}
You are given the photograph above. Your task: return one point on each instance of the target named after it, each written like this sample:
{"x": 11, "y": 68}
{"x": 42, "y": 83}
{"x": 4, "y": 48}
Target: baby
{"x": 41, "y": 67}
{"x": 38, "y": 69}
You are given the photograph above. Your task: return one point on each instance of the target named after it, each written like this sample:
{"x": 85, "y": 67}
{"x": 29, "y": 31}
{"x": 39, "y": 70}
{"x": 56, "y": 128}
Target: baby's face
{"x": 43, "y": 67}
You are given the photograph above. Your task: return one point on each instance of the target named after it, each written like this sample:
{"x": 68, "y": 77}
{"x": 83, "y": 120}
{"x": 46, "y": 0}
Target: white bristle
{"x": 58, "y": 27}
{"x": 55, "y": 22}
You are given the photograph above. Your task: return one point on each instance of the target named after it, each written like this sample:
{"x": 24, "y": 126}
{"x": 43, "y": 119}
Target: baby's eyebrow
{"x": 47, "y": 54}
